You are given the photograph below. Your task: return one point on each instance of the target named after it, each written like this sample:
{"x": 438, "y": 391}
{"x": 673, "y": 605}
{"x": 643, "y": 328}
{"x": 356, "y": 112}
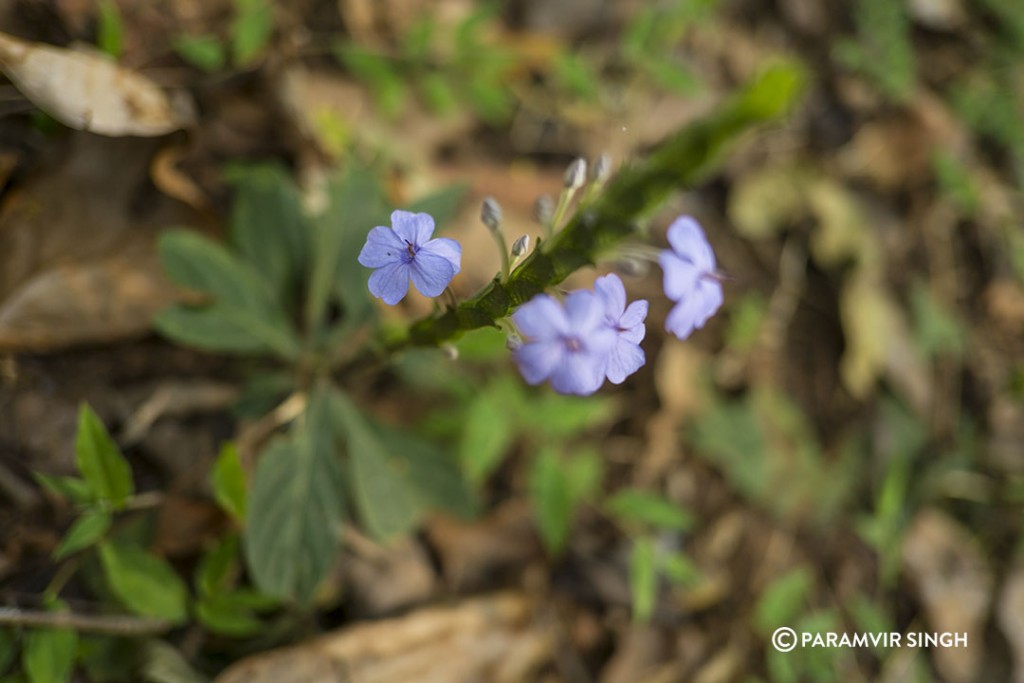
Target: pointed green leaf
{"x": 268, "y": 225}
{"x": 100, "y": 461}
{"x": 216, "y": 566}
{"x": 229, "y": 482}
{"x": 110, "y": 29}
{"x": 245, "y": 305}
{"x": 87, "y": 530}
{"x": 356, "y": 204}
{"x": 387, "y": 502}
{"x": 222, "y": 615}
{"x": 203, "y": 51}
{"x": 144, "y": 583}
{"x": 634, "y": 505}
{"x": 295, "y": 508}
{"x": 49, "y": 654}
{"x": 643, "y": 578}
{"x": 486, "y": 434}
{"x": 74, "y": 489}
{"x": 551, "y": 498}
{"x": 783, "y": 600}
{"x": 251, "y": 29}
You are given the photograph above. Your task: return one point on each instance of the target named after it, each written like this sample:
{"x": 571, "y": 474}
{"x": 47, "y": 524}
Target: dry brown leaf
{"x": 952, "y": 578}
{"x": 88, "y": 91}
{"x": 1011, "y": 619}
{"x": 484, "y": 639}
{"x": 84, "y": 268}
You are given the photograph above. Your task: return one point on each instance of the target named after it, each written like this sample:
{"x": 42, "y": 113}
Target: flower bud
{"x": 576, "y": 174}
{"x": 601, "y": 169}
{"x": 490, "y": 214}
{"x": 450, "y": 352}
{"x": 544, "y": 209}
{"x": 520, "y": 246}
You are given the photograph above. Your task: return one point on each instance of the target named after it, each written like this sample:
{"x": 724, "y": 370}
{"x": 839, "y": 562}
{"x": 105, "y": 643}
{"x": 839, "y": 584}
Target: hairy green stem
{"x": 633, "y": 193}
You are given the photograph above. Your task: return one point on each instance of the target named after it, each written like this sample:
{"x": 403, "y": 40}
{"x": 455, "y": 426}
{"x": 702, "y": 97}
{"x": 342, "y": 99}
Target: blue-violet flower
{"x": 405, "y": 252}
{"x": 626, "y": 356}
{"x": 690, "y": 278}
{"x": 567, "y": 343}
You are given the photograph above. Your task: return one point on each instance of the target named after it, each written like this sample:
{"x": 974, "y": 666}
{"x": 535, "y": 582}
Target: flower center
{"x": 572, "y": 344}
{"x": 411, "y": 250}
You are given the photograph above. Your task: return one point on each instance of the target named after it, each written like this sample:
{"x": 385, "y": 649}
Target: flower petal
{"x": 623, "y": 361}
{"x": 431, "y": 273}
{"x": 541, "y": 318}
{"x": 680, "y": 276}
{"x": 634, "y": 315}
{"x": 613, "y": 295}
{"x": 415, "y": 228}
{"x": 689, "y": 242}
{"x": 710, "y": 300}
{"x": 579, "y": 373}
{"x": 682, "y": 318}
{"x": 446, "y": 248}
{"x": 390, "y": 282}
{"x": 382, "y": 247}
{"x": 584, "y": 312}
{"x": 537, "y": 360}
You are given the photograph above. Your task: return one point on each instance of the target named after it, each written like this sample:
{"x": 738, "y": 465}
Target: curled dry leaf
{"x": 88, "y": 91}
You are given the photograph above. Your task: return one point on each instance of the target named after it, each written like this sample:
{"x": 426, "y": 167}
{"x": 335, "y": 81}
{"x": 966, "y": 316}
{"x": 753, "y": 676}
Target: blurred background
{"x": 843, "y": 442}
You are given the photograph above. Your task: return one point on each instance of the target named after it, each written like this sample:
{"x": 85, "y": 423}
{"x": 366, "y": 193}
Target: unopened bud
{"x": 513, "y": 342}
{"x": 520, "y": 246}
{"x": 490, "y": 214}
{"x": 450, "y": 352}
{"x": 576, "y": 174}
{"x": 544, "y": 209}
{"x": 601, "y": 169}
{"x": 632, "y": 266}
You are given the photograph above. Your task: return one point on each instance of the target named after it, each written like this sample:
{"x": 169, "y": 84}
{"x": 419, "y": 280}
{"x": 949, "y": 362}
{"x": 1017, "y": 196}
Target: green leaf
{"x": 356, "y": 204}
{"x": 783, "y": 600}
{"x": 442, "y": 205}
{"x": 217, "y": 566}
{"x": 110, "y": 29}
{"x": 251, "y": 29}
{"x": 584, "y": 470}
{"x": 245, "y": 309}
{"x": 49, "y": 654}
{"x": 437, "y": 92}
{"x": 203, "y": 51}
{"x": 552, "y": 500}
{"x": 486, "y": 435}
{"x": 268, "y": 225}
{"x": 554, "y": 416}
{"x": 228, "y": 480}
{"x": 634, "y": 505}
{"x": 382, "y": 488}
{"x": 667, "y": 74}
{"x": 577, "y": 76}
{"x": 378, "y": 74}
{"x": 295, "y": 508}
{"x": 221, "y": 614}
{"x": 8, "y": 649}
{"x": 643, "y": 578}
{"x": 87, "y": 530}
{"x": 433, "y": 472}
{"x": 679, "y": 568}
{"x": 143, "y": 582}
{"x": 74, "y": 489}
{"x": 100, "y": 461}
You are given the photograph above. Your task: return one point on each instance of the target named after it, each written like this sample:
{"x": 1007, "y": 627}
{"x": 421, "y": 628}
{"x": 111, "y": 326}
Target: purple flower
{"x": 405, "y": 251}
{"x": 690, "y": 278}
{"x": 567, "y": 343}
{"x": 626, "y": 356}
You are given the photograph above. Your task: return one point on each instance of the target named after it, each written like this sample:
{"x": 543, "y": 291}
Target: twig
{"x": 121, "y": 625}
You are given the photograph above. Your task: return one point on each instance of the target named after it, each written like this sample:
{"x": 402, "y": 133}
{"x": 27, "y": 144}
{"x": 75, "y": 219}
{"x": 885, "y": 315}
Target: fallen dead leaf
{"x": 88, "y": 91}
{"x": 1011, "y": 619}
{"x": 484, "y": 639}
{"x": 954, "y": 583}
